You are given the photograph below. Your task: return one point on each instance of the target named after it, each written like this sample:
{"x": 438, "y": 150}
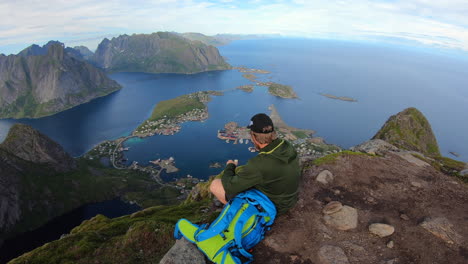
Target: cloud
{"x": 440, "y": 23}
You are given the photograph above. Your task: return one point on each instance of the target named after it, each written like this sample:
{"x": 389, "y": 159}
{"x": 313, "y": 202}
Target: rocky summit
{"x": 161, "y": 52}
{"x": 42, "y": 81}
{"x": 410, "y": 130}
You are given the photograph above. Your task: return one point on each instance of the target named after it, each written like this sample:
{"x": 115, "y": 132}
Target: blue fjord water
{"x": 383, "y": 79}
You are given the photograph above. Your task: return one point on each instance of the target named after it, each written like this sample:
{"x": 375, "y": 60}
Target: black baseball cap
{"x": 261, "y": 123}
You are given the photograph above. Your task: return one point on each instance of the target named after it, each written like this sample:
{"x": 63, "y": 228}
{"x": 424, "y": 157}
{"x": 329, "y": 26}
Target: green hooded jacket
{"x": 274, "y": 171}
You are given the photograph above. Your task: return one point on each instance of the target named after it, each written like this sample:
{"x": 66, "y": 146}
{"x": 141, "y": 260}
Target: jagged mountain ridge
{"x": 41, "y": 81}
{"x": 161, "y": 52}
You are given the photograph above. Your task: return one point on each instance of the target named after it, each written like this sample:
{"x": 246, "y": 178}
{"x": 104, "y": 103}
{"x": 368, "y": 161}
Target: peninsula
{"x": 342, "y": 98}
{"x": 168, "y": 115}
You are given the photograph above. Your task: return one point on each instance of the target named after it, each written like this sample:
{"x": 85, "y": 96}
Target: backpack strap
{"x": 223, "y": 220}
{"x": 249, "y": 212}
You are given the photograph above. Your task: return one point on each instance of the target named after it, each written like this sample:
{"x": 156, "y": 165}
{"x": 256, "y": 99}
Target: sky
{"x": 437, "y": 23}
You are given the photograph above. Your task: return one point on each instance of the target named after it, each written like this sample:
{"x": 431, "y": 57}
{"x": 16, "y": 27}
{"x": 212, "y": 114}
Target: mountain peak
{"x": 410, "y": 130}
{"x": 29, "y": 144}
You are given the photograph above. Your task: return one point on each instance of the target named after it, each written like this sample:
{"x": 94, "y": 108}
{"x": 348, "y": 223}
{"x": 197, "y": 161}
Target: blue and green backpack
{"x": 240, "y": 226}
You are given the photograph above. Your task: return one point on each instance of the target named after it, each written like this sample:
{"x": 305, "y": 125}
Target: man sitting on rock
{"x": 274, "y": 171}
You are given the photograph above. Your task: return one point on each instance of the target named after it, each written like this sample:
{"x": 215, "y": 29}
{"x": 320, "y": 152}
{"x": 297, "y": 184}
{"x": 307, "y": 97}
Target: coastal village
{"x": 191, "y": 107}
{"x": 307, "y": 147}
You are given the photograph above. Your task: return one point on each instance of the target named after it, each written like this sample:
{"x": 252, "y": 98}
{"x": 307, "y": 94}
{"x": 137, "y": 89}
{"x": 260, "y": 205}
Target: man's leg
{"x": 217, "y": 189}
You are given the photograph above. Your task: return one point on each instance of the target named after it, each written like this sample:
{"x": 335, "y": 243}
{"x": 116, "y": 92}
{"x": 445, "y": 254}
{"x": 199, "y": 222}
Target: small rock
{"x": 325, "y": 177}
{"x": 464, "y": 172}
{"x": 442, "y": 228}
{"x": 381, "y": 230}
{"x": 416, "y": 184}
{"x": 183, "y": 252}
{"x": 332, "y": 207}
{"x": 404, "y": 217}
{"x": 390, "y": 244}
{"x": 332, "y": 255}
{"x": 293, "y": 258}
{"x": 336, "y": 192}
{"x": 217, "y": 203}
{"x": 344, "y": 219}
{"x": 370, "y": 199}
{"x": 390, "y": 261}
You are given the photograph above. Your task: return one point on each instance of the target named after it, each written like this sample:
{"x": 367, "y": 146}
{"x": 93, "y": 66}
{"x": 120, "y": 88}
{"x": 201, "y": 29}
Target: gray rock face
{"x": 374, "y": 146}
{"x": 183, "y": 252}
{"x": 10, "y": 211}
{"x": 332, "y": 255}
{"x": 325, "y": 177}
{"x": 161, "y": 52}
{"x": 345, "y": 218}
{"x": 443, "y": 229}
{"x": 43, "y": 81}
{"x": 464, "y": 172}
{"x": 381, "y": 230}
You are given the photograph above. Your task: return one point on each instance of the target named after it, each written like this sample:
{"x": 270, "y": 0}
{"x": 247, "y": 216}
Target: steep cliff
{"x": 39, "y": 181}
{"x": 41, "y": 81}
{"x": 161, "y": 52}
{"x": 410, "y": 130}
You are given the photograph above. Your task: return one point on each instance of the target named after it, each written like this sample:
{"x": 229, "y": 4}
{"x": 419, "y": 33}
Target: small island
{"x": 250, "y": 77}
{"x": 281, "y": 90}
{"x": 249, "y": 70}
{"x": 246, "y": 88}
{"x": 342, "y": 98}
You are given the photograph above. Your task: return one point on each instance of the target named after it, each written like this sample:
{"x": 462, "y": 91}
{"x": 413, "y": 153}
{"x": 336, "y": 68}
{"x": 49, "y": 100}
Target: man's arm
{"x": 246, "y": 177}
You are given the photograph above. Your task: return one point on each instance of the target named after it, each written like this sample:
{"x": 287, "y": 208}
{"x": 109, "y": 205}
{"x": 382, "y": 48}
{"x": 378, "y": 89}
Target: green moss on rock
{"x": 410, "y": 130}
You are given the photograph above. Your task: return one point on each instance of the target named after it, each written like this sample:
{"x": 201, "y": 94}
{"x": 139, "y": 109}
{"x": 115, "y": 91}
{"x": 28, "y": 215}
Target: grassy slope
{"x": 174, "y": 107}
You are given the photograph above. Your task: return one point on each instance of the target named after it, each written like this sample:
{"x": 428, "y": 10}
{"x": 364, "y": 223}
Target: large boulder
{"x": 183, "y": 252}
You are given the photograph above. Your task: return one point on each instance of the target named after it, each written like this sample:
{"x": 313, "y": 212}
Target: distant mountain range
{"x": 41, "y": 81}
{"x": 224, "y": 39}
{"x": 161, "y": 52}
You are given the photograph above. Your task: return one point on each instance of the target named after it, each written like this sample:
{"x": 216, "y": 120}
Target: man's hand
{"x": 235, "y": 162}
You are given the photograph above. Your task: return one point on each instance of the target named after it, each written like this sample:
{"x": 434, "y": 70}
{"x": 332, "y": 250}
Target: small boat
{"x": 241, "y": 141}
{"x": 246, "y": 141}
{"x": 227, "y": 140}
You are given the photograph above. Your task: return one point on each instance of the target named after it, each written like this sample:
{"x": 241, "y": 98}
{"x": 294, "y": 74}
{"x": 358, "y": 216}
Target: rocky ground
{"x": 424, "y": 212}
{"x": 359, "y": 207}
